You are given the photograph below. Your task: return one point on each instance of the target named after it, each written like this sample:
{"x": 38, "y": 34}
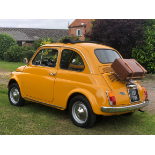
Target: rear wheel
{"x": 81, "y": 112}
{"x": 14, "y": 95}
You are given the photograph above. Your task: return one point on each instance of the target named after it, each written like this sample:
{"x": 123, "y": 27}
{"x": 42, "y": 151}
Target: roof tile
{"x": 32, "y": 34}
{"x": 78, "y": 22}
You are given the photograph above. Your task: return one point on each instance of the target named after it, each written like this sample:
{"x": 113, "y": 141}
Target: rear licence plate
{"x": 134, "y": 95}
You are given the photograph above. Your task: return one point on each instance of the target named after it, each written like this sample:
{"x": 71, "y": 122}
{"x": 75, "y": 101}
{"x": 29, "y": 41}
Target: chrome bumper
{"x": 125, "y": 108}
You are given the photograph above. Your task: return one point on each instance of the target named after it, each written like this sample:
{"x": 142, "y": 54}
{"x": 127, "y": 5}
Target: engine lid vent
{"x": 113, "y": 77}
{"x": 107, "y": 70}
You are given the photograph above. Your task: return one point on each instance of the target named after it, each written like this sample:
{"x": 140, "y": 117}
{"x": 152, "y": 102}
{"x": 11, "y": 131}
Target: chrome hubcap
{"x": 14, "y": 95}
{"x": 80, "y": 112}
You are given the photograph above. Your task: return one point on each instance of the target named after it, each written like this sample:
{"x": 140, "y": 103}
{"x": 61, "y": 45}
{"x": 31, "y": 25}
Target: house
{"x": 79, "y": 27}
{"x": 29, "y": 35}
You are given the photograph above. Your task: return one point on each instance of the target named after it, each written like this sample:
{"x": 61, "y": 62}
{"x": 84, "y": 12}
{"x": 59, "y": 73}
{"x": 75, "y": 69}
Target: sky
{"x": 36, "y": 23}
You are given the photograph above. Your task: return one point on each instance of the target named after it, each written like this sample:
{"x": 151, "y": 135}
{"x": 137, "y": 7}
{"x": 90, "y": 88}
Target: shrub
{"x": 17, "y": 53}
{"x": 14, "y": 54}
{"x": 68, "y": 37}
{"x": 43, "y": 41}
{"x": 6, "y": 41}
{"x": 144, "y": 53}
{"x": 120, "y": 34}
{"x": 28, "y": 54}
{"x": 36, "y": 44}
{"x": 8, "y": 56}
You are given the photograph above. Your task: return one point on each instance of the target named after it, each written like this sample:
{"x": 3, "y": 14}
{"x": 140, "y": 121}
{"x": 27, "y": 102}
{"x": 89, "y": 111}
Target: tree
{"x": 120, "y": 34}
{"x": 43, "y": 41}
{"x": 68, "y": 37}
{"x": 6, "y": 41}
{"x": 144, "y": 53}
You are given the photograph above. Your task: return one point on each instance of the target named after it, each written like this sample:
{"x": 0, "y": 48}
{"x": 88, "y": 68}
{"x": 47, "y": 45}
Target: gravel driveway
{"x": 149, "y": 83}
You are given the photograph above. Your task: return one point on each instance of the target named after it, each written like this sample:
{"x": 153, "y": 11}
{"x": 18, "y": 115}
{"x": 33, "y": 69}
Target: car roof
{"x": 84, "y": 45}
{"x": 87, "y": 45}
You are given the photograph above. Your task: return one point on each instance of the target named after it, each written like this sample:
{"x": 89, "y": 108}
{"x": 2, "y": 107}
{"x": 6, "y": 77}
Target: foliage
{"x": 14, "y": 53}
{"x": 120, "y": 34}
{"x": 68, "y": 37}
{"x": 43, "y": 41}
{"x": 6, "y": 41}
{"x": 36, "y": 44}
{"x": 17, "y": 53}
{"x": 144, "y": 53}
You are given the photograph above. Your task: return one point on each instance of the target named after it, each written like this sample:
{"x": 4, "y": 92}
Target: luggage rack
{"x": 129, "y": 79}
{"x": 66, "y": 41}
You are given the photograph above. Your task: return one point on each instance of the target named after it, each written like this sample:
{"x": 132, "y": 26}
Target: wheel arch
{"x": 15, "y": 80}
{"x": 11, "y": 82}
{"x": 90, "y": 97}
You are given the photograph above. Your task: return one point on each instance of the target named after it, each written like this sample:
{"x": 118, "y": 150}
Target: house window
{"x": 79, "y": 32}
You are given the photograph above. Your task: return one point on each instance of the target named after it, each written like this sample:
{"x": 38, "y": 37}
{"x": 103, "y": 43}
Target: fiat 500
{"x": 77, "y": 76}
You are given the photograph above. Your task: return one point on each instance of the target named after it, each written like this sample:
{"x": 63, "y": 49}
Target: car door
{"x": 39, "y": 75}
{"x": 72, "y": 73}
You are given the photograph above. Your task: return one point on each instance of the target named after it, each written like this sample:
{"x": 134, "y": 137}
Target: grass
{"x": 10, "y": 66}
{"x": 37, "y": 119}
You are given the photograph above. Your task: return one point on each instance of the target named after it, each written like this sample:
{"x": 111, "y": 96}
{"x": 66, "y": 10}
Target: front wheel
{"x": 14, "y": 95}
{"x": 81, "y": 112}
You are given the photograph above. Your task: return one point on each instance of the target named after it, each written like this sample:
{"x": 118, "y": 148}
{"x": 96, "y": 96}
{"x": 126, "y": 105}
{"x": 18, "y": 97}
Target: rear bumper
{"x": 125, "y": 108}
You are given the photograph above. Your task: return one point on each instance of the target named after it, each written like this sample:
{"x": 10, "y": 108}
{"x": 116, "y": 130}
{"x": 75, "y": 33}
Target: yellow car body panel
{"x": 54, "y": 86}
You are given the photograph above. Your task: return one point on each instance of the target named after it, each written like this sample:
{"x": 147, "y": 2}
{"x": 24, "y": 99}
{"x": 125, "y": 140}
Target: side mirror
{"x": 25, "y": 60}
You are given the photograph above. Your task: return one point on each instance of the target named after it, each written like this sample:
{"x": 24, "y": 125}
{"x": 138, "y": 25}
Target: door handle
{"x": 54, "y": 74}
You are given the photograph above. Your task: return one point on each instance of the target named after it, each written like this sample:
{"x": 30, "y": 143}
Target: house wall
{"x": 88, "y": 27}
{"x": 72, "y": 31}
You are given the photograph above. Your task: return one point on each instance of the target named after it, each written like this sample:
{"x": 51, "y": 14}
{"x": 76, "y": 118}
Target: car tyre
{"x": 81, "y": 112}
{"x": 14, "y": 95}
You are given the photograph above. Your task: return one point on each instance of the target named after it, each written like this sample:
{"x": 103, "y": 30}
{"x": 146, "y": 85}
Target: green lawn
{"x": 10, "y": 66}
{"x": 37, "y": 119}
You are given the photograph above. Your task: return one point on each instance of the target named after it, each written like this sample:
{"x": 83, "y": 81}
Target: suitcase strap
{"x": 140, "y": 67}
{"x": 130, "y": 68}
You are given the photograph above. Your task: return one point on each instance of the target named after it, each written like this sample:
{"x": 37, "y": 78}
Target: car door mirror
{"x": 25, "y": 60}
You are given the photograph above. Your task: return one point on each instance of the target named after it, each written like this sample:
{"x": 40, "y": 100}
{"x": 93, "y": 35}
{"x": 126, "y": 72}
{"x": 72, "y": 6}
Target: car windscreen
{"x": 106, "y": 55}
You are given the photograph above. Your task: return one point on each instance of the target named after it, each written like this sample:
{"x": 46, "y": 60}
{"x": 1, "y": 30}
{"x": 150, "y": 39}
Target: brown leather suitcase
{"x": 128, "y": 69}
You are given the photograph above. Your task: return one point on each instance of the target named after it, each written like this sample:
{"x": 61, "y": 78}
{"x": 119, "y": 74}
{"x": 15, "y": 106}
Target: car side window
{"x": 77, "y": 60}
{"x": 46, "y": 57}
{"x": 37, "y": 59}
{"x": 71, "y": 60}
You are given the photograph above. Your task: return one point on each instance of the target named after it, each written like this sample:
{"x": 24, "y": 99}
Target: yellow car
{"x": 78, "y": 76}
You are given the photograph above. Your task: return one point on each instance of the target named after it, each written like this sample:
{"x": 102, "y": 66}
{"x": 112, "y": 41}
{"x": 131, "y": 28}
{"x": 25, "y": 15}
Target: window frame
{"x": 77, "y": 32}
{"x": 42, "y": 57}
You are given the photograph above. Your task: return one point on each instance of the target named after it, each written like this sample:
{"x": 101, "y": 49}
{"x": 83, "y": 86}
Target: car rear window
{"x": 106, "y": 55}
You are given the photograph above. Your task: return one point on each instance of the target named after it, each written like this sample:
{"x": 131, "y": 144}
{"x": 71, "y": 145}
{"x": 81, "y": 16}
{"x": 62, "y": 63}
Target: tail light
{"x": 111, "y": 98}
{"x": 145, "y": 92}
